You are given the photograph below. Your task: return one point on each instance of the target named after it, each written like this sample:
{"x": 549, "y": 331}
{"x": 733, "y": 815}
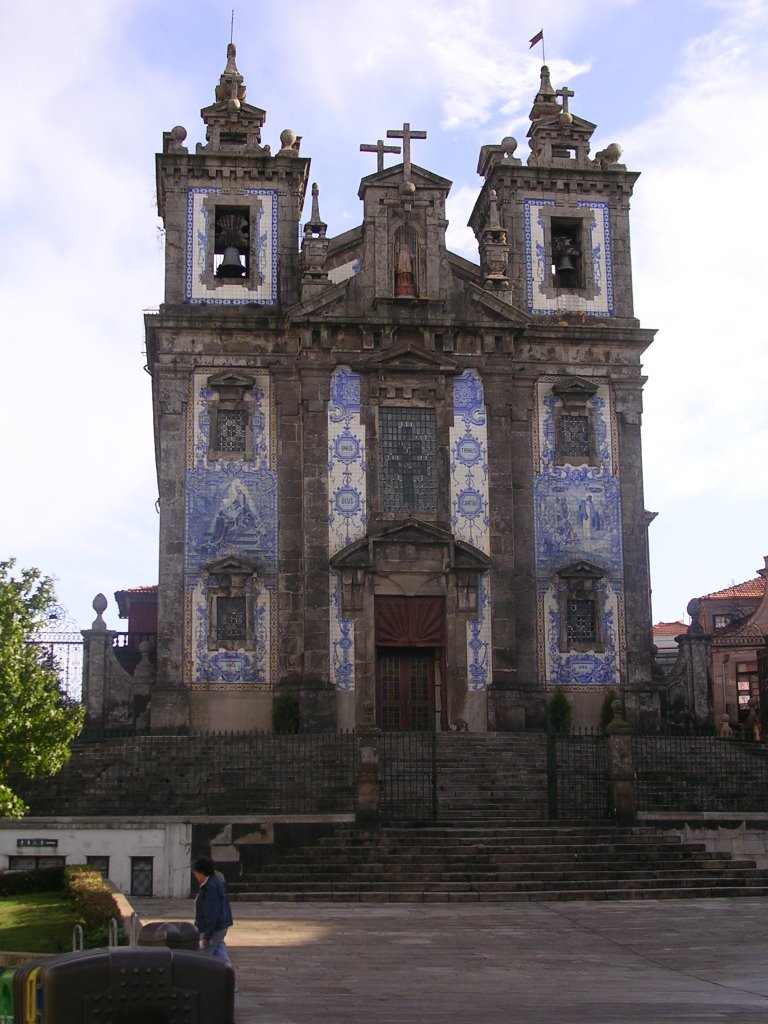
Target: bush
{"x": 559, "y": 711}
{"x": 606, "y": 710}
{"x": 16, "y": 883}
{"x": 93, "y": 903}
{"x": 285, "y": 712}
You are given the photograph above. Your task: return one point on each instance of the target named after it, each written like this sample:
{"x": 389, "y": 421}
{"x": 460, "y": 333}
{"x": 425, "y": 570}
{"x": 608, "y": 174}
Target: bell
{"x": 231, "y": 266}
{"x": 564, "y": 262}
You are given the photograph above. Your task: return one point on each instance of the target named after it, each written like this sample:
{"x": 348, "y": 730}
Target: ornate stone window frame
{"x": 572, "y": 219}
{"x": 250, "y": 207}
{"x": 572, "y": 400}
{"x": 578, "y": 582}
{"x": 232, "y": 392}
{"x": 231, "y": 578}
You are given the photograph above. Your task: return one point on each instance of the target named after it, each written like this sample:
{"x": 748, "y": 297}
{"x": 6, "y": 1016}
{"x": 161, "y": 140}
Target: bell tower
{"x": 232, "y": 267}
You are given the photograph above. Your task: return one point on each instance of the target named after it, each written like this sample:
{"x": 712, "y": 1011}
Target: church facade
{"x": 392, "y": 480}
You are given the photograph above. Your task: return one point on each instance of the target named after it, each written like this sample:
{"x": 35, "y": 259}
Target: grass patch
{"x": 39, "y": 922}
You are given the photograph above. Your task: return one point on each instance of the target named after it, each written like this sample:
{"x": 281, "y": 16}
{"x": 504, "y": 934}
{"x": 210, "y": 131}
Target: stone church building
{"x": 389, "y": 476}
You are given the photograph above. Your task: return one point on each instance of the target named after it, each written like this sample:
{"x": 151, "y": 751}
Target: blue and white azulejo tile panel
{"x": 198, "y": 286}
{"x": 347, "y": 515}
{"x": 577, "y": 517}
{"x": 470, "y": 521}
{"x": 230, "y": 510}
{"x": 598, "y": 299}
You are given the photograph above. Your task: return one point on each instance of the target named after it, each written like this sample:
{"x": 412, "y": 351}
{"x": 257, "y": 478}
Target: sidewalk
{"x": 634, "y": 962}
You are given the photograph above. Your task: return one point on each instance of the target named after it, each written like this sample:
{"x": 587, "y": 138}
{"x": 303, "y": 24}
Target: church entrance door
{"x": 406, "y": 688}
{"x": 410, "y": 663}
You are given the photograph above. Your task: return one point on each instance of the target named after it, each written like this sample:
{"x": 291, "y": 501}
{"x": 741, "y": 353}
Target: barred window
{"x": 581, "y": 621}
{"x": 230, "y": 619}
{"x": 231, "y": 425}
{"x": 407, "y": 459}
{"x": 574, "y": 436}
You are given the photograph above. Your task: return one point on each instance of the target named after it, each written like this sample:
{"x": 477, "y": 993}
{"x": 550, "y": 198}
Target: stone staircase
{"x": 492, "y": 842}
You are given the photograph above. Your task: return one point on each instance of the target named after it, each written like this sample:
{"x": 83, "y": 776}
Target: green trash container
{"x": 6, "y": 996}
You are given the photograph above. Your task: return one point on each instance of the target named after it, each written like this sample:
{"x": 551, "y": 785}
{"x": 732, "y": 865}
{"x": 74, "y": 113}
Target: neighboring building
{"x": 665, "y": 640}
{"x": 388, "y": 476}
{"x": 737, "y": 618}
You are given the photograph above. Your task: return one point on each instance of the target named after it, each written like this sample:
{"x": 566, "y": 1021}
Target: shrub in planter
{"x": 16, "y": 883}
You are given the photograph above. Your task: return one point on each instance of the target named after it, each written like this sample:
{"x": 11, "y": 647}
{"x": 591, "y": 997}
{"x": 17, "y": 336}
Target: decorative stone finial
{"x": 609, "y": 156}
{"x": 314, "y": 246}
{"x": 289, "y": 143}
{"x": 99, "y": 606}
{"x": 231, "y": 89}
{"x": 545, "y": 104}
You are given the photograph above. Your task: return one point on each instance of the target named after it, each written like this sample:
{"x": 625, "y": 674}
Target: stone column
{"x": 97, "y": 652}
{"x": 620, "y": 769}
{"x": 368, "y": 782}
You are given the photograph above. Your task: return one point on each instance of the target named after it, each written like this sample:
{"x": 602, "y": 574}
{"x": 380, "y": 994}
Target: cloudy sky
{"x": 90, "y": 85}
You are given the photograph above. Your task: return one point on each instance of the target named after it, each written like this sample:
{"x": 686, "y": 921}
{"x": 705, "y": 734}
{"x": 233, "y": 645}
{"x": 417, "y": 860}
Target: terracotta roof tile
{"x": 669, "y": 628}
{"x": 751, "y": 588}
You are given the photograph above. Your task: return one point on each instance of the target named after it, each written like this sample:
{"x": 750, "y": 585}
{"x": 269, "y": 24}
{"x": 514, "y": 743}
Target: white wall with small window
{"x": 140, "y": 857}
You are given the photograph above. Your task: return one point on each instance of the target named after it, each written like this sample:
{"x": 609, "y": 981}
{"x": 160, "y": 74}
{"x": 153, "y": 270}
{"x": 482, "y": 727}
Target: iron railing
{"x": 576, "y": 774}
{"x": 204, "y": 773}
{"x": 409, "y": 777}
{"x": 696, "y": 772}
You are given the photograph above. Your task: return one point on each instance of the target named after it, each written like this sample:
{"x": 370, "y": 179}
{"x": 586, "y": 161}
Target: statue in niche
{"x": 405, "y": 278}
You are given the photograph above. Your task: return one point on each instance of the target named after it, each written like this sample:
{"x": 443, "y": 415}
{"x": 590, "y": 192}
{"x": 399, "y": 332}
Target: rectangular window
{"x": 230, "y": 619}
{"x": 231, "y": 241}
{"x": 141, "y": 876}
{"x": 581, "y": 623}
{"x": 407, "y": 459}
{"x": 101, "y": 864}
{"x": 26, "y": 863}
{"x": 231, "y": 425}
{"x": 566, "y": 253}
{"x": 574, "y": 436}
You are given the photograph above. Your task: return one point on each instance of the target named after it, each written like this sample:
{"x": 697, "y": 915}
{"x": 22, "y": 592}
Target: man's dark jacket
{"x": 212, "y": 911}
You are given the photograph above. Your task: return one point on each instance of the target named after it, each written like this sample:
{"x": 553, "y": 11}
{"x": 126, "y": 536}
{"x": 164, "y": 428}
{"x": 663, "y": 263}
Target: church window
{"x": 407, "y": 459}
{"x": 230, "y": 409}
{"x": 581, "y": 622}
{"x": 581, "y": 597}
{"x": 231, "y": 425}
{"x": 231, "y": 619}
{"x": 232, "y": 239}
{"x": 574, "y": 435}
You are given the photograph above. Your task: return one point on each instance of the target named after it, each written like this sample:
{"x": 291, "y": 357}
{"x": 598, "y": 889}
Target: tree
{"x": 36, "y": 726}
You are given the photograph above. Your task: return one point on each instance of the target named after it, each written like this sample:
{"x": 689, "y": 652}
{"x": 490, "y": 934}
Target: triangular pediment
{"x": 231, "y": 379}
{"x": 407, "y": 358}
{"x": 581, "y": 570}
{"x": 361, "y": 554}
{"x": 394, "y": 176}
{"x": 575, "y": 386}
{"x": 230, "y": 565}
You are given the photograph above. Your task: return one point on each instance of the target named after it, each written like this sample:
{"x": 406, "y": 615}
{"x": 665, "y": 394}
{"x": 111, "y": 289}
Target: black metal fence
{"x": 576, "y": 775}
{"x": 700, "y": 773}
{"x": 674, "y": 772}
{"x": 204, "y": 773}
{"x": 409, "y": 777}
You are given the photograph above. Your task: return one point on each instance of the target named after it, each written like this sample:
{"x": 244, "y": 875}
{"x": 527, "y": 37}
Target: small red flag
{"x": 537, "y": 38}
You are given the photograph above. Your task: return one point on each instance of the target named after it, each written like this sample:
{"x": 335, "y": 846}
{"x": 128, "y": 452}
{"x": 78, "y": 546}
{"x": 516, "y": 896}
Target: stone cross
{"x": 565, "y": 93}
{"x": 406, "y": 135}
{"x": 379, "y": 149}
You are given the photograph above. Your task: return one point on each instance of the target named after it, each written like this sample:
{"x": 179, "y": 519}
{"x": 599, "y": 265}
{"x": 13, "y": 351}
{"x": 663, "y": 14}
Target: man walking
{"x": 213, "y": 915}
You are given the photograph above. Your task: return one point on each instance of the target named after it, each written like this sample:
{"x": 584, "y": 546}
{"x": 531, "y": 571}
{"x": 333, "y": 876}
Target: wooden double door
{"x": 410, "y": 656}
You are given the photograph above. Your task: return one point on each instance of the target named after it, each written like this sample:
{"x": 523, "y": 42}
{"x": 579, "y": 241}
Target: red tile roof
{"x": 751, "y": 588}
{"x": 669, "y": 628}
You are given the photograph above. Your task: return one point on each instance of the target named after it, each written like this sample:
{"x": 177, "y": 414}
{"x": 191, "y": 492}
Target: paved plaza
{"x": 634, "y": 962}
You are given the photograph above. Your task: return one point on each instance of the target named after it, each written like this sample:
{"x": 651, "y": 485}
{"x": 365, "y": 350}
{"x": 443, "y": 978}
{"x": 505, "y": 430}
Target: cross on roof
{"x": 565, "y": 93}
{"x": 406, "y": 135}
{"x": 379, "y": 149}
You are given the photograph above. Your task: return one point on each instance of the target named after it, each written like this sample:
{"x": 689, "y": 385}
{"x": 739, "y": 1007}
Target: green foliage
{"x": 39, "y": 922}
{"x": 559, "y": 711}
{"x": 285, "y": 712}
{"x": 14, "y": 883}
{"x": 93, "y": 904}
{"x": 36, "y": 727}
{"x": 606, "y": 709}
